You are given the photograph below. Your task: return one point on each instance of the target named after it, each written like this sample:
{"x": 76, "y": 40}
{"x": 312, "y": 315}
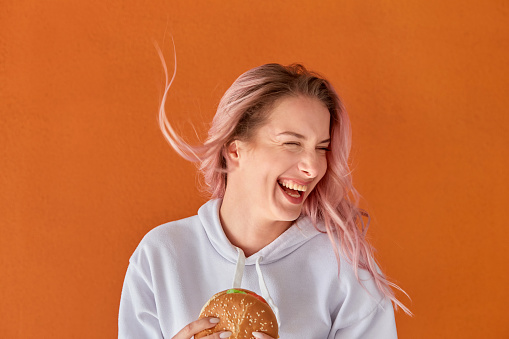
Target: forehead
{"x": 300, "y": 114}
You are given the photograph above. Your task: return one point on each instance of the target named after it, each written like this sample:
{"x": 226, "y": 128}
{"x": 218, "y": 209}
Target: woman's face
{"x": 286, "y": 157}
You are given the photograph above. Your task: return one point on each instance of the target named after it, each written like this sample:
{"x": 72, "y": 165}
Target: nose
{"x": 311, "y": 164}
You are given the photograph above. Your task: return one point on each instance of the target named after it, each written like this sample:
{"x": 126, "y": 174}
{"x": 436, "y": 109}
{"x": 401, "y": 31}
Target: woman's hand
{"x": 260, "y": 335}
{"x": 199, "y": 325}
{"x": 202, "y": 324}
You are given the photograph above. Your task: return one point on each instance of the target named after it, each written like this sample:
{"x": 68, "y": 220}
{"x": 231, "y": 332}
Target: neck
{"x": 247, "y": 229}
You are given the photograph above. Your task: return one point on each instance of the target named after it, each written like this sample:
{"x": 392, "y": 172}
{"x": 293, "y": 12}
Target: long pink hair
{"x": 244, "y": 107}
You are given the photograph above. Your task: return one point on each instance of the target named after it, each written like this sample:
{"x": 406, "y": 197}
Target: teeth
{"x": 296, "y": 195}
{"x": 294, "y": 186}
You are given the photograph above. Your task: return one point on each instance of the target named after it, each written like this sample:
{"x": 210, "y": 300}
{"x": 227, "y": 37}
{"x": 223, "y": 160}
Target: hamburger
{"x": 241, "y": 312}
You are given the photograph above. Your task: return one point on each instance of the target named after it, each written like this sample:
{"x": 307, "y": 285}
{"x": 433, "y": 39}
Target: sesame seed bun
{"x": 241, "y": 312}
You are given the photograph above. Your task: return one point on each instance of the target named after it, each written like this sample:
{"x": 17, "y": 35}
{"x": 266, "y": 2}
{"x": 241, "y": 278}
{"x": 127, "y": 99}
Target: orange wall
{"x": 85, "y": 172}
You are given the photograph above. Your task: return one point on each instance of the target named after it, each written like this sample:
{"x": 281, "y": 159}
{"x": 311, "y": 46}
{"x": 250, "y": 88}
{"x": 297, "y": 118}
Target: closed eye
{"x": 292, "y": 143}
{"x": 324, "y": 149}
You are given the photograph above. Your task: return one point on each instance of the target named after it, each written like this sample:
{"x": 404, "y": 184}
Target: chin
{"x": 283, "y": 209}
{"x": 290, "y": 214}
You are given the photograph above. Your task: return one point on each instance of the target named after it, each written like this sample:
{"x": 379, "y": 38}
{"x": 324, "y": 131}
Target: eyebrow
{"x": 300, "y": 136}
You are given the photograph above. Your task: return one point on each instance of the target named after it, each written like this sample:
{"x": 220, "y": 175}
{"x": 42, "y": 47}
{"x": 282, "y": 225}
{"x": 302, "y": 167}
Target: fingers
{"x": 205, "y": 323}
{"x": 261, "y": 335}
{"x": 219, "y": 335}
{"x": 199, "y": 325}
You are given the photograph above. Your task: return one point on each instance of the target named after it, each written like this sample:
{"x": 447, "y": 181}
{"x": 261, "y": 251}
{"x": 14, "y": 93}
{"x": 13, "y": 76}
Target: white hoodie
{"x": 178, "y": 266}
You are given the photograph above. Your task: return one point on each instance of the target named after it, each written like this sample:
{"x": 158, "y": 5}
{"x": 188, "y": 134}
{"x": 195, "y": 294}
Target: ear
{"x": 232, "y": 154}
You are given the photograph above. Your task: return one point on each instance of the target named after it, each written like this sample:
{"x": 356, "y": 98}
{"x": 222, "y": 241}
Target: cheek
{"x": 323, "y": 167}
{"x": 281, "y": 160}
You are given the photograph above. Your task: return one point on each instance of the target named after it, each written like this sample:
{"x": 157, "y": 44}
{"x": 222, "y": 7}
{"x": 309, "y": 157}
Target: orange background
{"x": 85, "y": 172}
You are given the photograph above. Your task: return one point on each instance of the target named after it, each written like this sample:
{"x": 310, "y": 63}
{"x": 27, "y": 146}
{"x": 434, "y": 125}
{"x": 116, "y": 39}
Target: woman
{"x": 283, "y": 220}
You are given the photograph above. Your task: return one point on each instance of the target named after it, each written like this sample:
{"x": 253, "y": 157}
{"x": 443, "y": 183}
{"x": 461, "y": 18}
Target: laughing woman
{"x": 283, "y": 214}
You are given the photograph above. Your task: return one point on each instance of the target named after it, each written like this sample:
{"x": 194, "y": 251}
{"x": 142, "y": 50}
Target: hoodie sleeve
{"x": 138, "y": 314}
{"x": 378, "y": 323}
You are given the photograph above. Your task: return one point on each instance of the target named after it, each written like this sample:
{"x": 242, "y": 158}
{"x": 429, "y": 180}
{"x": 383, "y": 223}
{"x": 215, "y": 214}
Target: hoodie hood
{"x": 297, "y": 235}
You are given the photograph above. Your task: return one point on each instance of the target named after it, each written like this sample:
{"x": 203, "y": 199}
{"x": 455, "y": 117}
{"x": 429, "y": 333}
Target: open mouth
{"x": 292, "y": 189}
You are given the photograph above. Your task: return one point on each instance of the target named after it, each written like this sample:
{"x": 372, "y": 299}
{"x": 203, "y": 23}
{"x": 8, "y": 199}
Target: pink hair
{"x": 244, "y": 107}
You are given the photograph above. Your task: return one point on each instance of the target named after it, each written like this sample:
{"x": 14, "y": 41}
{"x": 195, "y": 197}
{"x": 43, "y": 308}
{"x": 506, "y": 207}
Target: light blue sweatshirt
{"x": 178, "y": 266}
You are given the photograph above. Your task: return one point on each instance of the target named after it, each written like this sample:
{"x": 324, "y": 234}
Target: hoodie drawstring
{"x": 239, "y": 270}
{"x": 265, "y": 290}
{"x": 237, "y": 281}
